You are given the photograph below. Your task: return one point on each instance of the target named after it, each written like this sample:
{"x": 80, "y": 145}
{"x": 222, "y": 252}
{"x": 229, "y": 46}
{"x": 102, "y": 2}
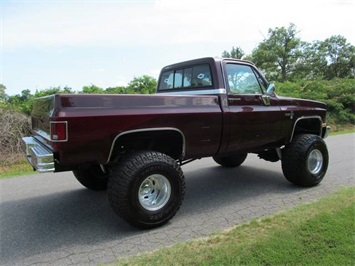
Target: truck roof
{"x": 204, "y": 60}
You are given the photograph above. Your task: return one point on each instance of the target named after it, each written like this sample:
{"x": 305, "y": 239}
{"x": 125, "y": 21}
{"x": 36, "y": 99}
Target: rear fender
{"x": 170, "y": 141}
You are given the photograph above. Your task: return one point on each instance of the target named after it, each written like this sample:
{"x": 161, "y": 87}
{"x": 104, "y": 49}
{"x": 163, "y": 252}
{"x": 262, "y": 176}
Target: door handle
{"x": 235, "y": 99}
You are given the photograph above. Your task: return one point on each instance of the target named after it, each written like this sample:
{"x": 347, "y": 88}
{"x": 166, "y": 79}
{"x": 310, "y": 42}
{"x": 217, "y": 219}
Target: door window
{"x": 242, "y": 79}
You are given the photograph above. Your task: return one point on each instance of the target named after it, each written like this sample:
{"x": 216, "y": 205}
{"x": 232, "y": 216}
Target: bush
{"x": 337, "y": 93}
{"x": 14, "y": 126}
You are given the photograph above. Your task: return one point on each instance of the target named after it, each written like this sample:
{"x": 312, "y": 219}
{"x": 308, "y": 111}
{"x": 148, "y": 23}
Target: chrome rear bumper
{"x": 39, "y": 156}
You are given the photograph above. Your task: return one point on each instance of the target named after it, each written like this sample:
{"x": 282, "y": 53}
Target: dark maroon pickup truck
{"x": 134, "y": 145}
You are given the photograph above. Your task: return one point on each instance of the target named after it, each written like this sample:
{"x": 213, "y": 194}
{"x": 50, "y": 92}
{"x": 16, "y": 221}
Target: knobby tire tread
{"x": 293, "y": 160}
{"x": 121, "y": 183}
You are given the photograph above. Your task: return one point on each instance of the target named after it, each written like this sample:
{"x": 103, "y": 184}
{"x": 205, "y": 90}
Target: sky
{"x": 107, "y": 43}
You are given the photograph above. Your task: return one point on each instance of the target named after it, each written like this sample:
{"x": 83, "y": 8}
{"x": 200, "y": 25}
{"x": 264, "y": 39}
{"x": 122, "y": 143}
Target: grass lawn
{"x": 342, "y": 132}
{"x": 19, "y": 168}
{"x": 319, "y": 233}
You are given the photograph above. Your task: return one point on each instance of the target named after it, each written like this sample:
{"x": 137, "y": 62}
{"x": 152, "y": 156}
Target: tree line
{"x": 23, "y": 102}
{"x": 283, "y": 56}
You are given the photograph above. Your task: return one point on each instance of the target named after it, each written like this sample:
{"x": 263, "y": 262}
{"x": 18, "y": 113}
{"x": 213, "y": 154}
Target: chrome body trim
{"x": 42, "y": 134}
{"x": 66, "y": 130}
{"x": 307, "y": 117}
{"x": 196, "y": 92}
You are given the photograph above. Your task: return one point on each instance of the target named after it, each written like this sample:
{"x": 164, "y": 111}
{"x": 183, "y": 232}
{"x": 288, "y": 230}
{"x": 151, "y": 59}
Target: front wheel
{"x": 305, "y": 160}
{"x": 146, "y": 189}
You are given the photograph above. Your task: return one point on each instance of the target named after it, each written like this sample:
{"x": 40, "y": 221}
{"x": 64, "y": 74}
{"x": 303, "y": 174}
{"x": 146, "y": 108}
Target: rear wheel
{"x": 146, "y": 189}
{"x": 92, "y": 177}
{"x": 230, "y": 160}
{"x": 305, "y": 160}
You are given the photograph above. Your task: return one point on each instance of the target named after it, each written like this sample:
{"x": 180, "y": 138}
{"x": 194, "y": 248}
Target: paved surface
{"x": 49, "y": 219}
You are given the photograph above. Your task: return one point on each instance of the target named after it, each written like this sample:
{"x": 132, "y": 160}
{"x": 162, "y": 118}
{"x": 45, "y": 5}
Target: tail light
{"x": 59, "y": 130}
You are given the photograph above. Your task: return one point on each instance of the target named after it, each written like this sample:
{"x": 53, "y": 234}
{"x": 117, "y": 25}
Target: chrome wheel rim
{"x": 315, "y": 161}
{"x": 154, "y": 192}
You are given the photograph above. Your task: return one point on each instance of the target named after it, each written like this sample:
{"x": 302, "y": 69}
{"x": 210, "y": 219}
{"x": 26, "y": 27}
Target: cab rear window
{"x": 189, "y": 77}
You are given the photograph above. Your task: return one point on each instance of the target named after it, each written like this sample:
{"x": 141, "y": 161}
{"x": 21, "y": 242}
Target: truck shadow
{"x": 82, "y": 217}
{"x": 46, "y": 223}
{"x": 217, "y": 186}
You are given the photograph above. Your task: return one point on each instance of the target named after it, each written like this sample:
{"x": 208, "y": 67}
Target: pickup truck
{"x": 134, "y": 145}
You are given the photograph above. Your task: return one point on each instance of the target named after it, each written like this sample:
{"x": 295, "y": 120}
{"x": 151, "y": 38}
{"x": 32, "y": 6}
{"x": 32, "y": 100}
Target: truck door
{"x": 254, "y": 118}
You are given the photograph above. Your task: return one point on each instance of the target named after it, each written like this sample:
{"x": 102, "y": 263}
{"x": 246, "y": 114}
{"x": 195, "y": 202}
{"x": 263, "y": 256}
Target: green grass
{"x": 16, "y": 169}
{"x": 319, "y": 233}
{"x": 342, "y": 132}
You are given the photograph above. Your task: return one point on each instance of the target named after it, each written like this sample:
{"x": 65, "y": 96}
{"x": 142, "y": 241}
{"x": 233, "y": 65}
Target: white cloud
{"x": 166, "y": 22}
{"x": 154, "y": 72}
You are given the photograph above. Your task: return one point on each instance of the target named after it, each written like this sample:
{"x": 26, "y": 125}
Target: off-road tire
{"x": 230, "y": 160}
{"x": 305, "y": 160}
{"x": 133, "y": 181}
{"x": 92, "y": 177}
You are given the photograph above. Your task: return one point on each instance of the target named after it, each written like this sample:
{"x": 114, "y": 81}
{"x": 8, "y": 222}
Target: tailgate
{"x": 43, "y": 109}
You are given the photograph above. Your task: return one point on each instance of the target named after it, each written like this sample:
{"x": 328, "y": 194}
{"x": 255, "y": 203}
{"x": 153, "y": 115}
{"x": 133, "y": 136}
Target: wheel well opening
{"x": 308, "y": 126}
{"x": 169, "y": 142}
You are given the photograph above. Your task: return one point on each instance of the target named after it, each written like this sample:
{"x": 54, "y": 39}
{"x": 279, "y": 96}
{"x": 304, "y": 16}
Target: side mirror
{"x": 270, "y": 89}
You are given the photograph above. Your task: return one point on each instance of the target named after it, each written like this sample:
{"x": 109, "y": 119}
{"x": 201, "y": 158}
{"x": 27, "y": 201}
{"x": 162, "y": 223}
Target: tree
{"x": 328, "y": 59}
{"x": 20, "y": 102}
{"x": 236, "y": 53}
{"x": 93, "y": 89}
{"x": 142, "y": 85}
{"x": 311, "y": 64}
{"x": 278, "y": 54}
{"x": 117, "y": 90}
{"x": 2, "y": 92}
{"x": 3, "y": 96}
{"x": 53, "y": 90}
{"x": 340, "y": 57}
